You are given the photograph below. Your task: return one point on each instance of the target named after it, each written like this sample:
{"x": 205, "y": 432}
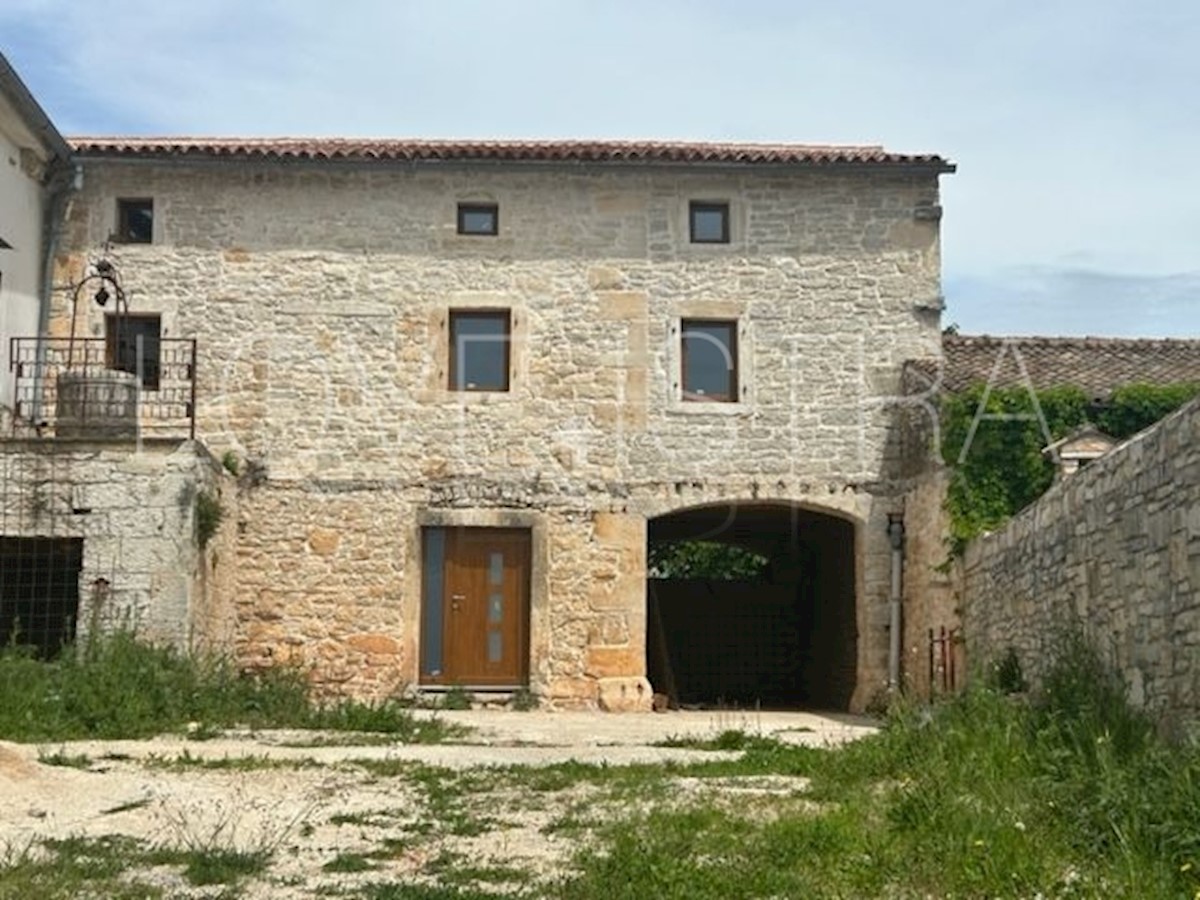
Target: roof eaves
{"x": 529, "y": 152}
{"x": 26, "y": 104}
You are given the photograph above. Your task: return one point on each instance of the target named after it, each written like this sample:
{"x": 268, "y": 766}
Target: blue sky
{"x": 1076, "y": 125}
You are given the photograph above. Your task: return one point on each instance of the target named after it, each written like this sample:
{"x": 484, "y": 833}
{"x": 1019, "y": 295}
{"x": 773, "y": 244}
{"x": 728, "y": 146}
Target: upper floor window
{"x": 479, "y": 349}
{"x": 708, "y": 222}
{"x": 709, "y": 360}
{"x": 132, "y": 345}
{"x": 478, "y": 218}
{"x": 135, "y": 221}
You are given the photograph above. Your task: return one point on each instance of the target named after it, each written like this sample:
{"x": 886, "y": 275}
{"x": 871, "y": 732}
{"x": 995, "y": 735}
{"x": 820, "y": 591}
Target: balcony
{"x": 93, "y": 389}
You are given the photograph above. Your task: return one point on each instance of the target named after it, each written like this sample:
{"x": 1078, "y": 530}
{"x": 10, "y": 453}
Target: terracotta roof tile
{"x": 504, "y": 150}
{"x": 1097, "y": 365}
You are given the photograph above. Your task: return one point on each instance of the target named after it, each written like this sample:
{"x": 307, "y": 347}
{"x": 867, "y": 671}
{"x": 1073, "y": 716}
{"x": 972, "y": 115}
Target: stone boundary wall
{"x": 1116, "y": 548}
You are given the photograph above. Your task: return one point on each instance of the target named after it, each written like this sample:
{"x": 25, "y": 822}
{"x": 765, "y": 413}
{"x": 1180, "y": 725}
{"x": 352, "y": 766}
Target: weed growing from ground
{"x": 69, "y": 760}
{"x": 456, "y": 698}
{"x": 523, "y": 700}
{"x": 73, "y": 867}
{"x": 1067, "y": 794}
{"x": 118, "y": 686}
{"x": 349, "y": 862}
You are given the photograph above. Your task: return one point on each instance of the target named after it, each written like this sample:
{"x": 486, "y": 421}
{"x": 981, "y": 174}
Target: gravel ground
{"x": 310, "y": 804}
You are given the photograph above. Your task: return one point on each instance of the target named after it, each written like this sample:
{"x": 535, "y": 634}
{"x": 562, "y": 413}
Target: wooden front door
{"x": 485, "y": 607}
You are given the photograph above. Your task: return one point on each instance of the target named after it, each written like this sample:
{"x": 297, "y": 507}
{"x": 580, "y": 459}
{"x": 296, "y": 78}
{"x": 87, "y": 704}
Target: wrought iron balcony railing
{"x": 96, "y": 388}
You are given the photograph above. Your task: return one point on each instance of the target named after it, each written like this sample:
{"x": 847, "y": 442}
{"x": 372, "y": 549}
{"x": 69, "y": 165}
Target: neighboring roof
{"x": 1087, "y": 438}
{"x": 1097, "y": 365}
{"x": 353, "y": 149}
{"x": 12, "y": 87}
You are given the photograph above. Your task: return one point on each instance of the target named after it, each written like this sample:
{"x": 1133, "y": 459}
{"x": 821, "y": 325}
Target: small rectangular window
{"x": 478, "y": 218}
{"x": 135, "y": 221}
{"x": 709, "y": 360}
{"x": 479, "y": 350}
{"x": 709, "y": 222}
{"x": 132, "y": 344}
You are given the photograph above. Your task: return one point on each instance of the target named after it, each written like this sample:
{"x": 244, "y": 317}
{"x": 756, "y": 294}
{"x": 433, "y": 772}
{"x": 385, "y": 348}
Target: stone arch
{"x": 790, "y": 638}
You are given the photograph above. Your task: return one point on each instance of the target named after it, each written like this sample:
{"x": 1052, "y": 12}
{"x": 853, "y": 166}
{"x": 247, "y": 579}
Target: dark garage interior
{"x": 785, "y": 638}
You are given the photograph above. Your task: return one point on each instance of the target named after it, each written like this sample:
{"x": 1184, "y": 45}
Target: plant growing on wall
{"x": 1002, "y": 469}
{"x": 208, "y": 517}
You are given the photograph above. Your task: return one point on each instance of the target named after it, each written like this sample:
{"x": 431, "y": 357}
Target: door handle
{"x": 455, "y": 600}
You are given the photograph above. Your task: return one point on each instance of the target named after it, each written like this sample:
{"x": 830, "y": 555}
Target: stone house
{"x": 463, "y": 386}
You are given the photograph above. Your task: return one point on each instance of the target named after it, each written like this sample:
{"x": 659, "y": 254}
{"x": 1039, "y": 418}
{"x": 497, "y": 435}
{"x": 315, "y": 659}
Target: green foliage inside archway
{"x": 705, "y": 559}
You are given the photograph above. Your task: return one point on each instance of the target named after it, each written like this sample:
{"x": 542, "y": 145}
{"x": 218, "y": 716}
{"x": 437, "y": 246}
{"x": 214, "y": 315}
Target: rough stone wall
{"x": 320, "y": 296}
{"x": 930, "y": 590}
{"x": 1115, "y": 547}
{"x": 135, "y": 511}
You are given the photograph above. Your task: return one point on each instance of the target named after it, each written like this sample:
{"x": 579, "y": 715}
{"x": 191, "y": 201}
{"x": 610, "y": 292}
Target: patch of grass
{"x": 1070, "y": 794}
{"x": 730, "y": 739}
{"x": 349, "y": 862}
{"x": 62, "y": 758}
{"x": 523, "y": 700}
{"x": 456, "y": 698}
{"x": 401, "y": 891}
{"x": 253, "y": 763}
{"x": 223, "y": 866}
{"x": 118, "y": 686}
{"x": 375, "y": 819}
{"x": 208, "y": 865}
{"x": 350, "y": 739}
{"x": 73, "y": 867}
{"x": 392, "y": 847}
{"x": 447, "y": 797}
{"x": 474, "y": 875}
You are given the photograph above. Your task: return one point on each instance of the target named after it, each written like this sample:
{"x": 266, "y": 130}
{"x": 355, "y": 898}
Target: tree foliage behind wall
{"x": 705, "y": 559}
{"x": 1002, "y": 469}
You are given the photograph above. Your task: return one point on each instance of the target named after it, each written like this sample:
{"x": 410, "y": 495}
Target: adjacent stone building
{"x": 464, "y": 383}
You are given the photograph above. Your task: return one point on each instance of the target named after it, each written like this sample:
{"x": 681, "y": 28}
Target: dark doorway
{"x": 784, "y": 636}
{"x": 39, "y": 592}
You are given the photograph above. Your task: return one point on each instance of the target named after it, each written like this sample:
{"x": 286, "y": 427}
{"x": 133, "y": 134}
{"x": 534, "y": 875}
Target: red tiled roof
{"x": 1097, "y": 365}
{"x": 506, "y": 151}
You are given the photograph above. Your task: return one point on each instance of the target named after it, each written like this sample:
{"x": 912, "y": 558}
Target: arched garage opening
{"x": 771, "y": 624}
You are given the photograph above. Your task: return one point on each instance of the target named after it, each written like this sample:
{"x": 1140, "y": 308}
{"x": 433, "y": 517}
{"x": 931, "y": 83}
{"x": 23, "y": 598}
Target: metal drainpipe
{"x": 61, "y": 185}
{"x": 896, "y": 536}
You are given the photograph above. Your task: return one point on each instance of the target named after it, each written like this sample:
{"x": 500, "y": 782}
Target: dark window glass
{"x": 709, "y": 223}
{"x": 135, "y": 221}
{"x": 478, "y": 218}
{"x": 432, "y": 579}
{"x": 479, "y": 344}
{"x": 125, "y": 335}
{"x": 709, "y": 360}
